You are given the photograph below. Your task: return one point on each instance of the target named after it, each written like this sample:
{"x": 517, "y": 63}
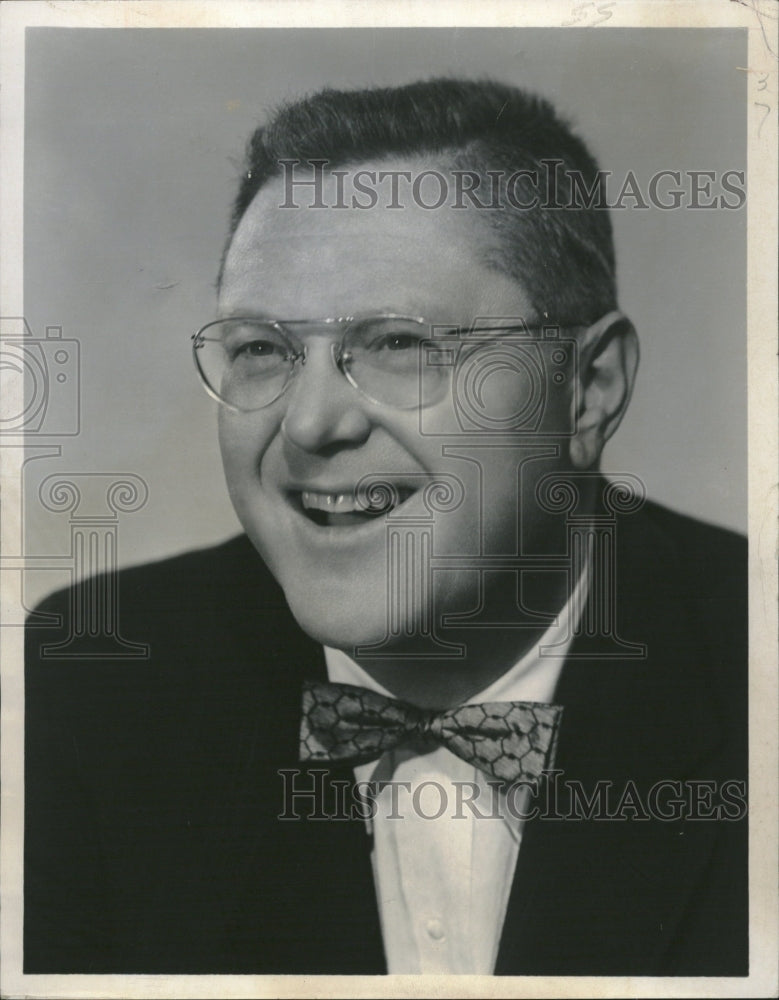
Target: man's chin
{"x": 346, "y": 630}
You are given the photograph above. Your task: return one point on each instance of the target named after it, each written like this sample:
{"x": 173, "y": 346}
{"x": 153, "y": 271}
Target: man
{"x": 418, "y": 358}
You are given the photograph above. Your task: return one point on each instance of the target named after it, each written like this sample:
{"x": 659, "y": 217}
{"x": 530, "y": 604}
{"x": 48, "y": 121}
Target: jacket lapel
{"x": 603, "y": 896}
{"x": 307, "y": 878}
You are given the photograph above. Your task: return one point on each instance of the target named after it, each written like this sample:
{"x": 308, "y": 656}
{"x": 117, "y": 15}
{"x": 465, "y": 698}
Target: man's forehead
{"x": 407, "y": 245}
{"x": 360, "y": 201}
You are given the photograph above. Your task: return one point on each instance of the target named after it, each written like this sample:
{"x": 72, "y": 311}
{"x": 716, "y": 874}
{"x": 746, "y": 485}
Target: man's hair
{"x": 562, "y": 255}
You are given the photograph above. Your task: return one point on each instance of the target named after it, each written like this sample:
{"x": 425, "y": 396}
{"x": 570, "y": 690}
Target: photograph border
{"x": 760, "y": 18}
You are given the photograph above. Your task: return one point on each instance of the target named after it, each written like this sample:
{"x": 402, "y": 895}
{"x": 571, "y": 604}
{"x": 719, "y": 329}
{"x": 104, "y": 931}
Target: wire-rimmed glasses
{"x": 247, "y": 363}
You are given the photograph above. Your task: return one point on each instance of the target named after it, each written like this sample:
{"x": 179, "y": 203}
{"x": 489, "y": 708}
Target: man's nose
{"x": 322, "y": 408}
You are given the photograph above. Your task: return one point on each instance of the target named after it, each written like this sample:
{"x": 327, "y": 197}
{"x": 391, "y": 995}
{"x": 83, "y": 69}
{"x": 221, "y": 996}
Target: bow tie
{"x": 509, "y": 740}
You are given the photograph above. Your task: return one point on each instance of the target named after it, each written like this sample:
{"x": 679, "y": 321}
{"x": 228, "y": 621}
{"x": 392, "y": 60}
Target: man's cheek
{"x": 228, "y": 443}
{"x": 242, "y": 443}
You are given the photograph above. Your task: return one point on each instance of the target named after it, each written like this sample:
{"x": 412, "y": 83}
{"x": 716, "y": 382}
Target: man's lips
{"x": 348, "y": 506}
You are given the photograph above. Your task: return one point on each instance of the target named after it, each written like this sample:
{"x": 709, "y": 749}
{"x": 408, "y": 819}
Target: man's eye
{"x": 257, "y": 350}
{"x": 396, "y": 342}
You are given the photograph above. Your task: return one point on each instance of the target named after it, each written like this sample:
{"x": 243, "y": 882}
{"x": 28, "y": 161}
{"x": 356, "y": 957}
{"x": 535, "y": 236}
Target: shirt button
{"x": 435, "y": 929}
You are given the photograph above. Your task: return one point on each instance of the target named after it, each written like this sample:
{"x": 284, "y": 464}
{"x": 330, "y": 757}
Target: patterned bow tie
{"x": 510, "y": 740}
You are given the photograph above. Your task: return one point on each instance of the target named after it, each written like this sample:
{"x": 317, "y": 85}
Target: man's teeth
{"x": 332, "y": 503}
{"x": 347, "y": 503}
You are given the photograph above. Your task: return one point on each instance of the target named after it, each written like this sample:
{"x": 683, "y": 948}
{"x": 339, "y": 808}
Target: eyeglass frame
{"x": 298, "y": 357}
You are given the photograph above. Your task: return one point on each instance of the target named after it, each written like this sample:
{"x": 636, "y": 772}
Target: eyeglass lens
{"x": 248, "y": 363}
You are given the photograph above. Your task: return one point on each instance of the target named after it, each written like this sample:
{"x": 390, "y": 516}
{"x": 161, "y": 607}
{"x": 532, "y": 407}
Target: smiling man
{"x": 380, "y": 290}
{"x": 522, "y": 744}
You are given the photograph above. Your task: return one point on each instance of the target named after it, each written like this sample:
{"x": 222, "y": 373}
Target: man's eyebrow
{"x": 258, "y": 314}
{"x": 486, "y": 325}
{"x": 474, "y": 327}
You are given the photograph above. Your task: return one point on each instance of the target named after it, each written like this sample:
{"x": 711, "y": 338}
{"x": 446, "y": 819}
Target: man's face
{"x": 293, "y": 466}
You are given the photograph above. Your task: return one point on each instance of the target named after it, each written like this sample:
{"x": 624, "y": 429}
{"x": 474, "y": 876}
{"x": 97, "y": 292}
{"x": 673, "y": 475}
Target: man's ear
{"x": 608, "y": 359}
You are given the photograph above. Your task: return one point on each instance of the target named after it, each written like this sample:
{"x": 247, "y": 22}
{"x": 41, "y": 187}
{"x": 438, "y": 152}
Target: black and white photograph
{"x": 389, "y": 449}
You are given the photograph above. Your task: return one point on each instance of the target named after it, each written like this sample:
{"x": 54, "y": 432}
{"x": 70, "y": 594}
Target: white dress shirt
{"x": 443, "y": 881}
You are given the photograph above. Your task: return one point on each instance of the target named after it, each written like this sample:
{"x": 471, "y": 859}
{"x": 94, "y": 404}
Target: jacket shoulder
{"x": 185, "y": 579}
{"x": 696, "y": 573}
{"x": 695, "y": 536}
{"x": 689, "y": 558}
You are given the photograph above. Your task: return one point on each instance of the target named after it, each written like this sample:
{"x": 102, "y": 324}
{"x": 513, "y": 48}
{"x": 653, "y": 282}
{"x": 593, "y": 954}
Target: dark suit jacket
{"x": 152, "y": 786}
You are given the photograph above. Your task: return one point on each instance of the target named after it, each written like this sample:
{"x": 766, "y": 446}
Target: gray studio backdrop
{"x": 133, "y": 145}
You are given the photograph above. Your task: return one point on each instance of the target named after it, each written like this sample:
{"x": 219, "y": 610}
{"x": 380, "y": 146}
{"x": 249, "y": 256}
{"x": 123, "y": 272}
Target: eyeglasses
{"x": 247, "y": 363}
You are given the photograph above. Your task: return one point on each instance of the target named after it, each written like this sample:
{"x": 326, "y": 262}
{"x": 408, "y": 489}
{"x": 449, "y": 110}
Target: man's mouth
{"x": 349, "y": 508}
